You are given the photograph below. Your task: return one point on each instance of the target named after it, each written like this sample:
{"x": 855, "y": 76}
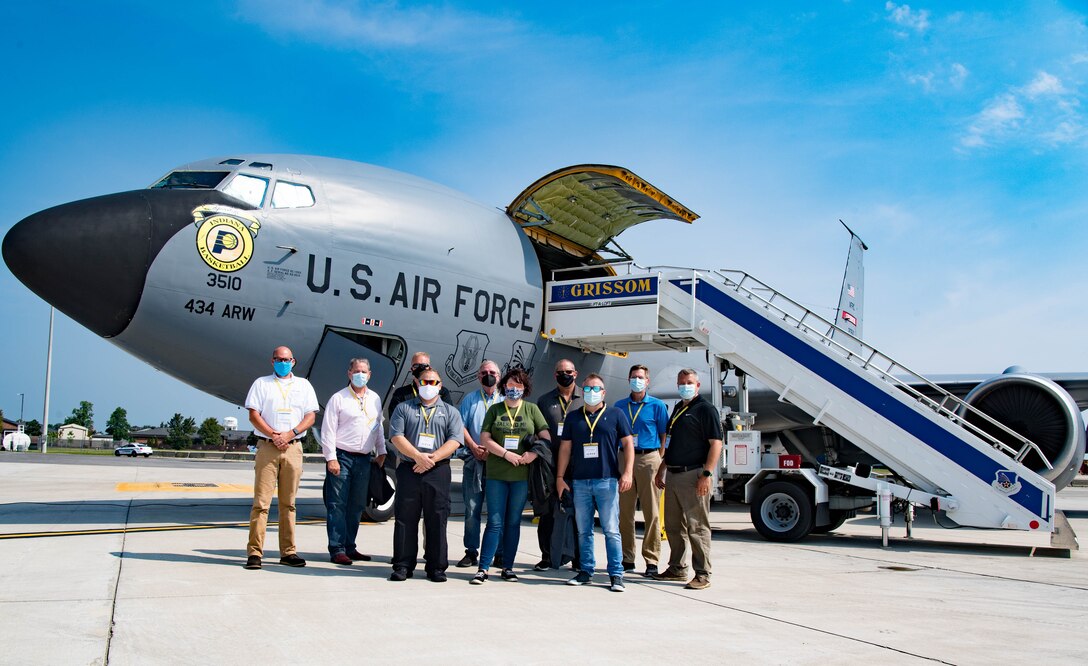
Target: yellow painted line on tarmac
{"x": 177, "y": 487}
{"x": 155, "y": 528}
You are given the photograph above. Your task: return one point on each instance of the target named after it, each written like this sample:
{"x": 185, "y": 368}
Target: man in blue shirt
{"x": 590, "y": 445}
{"x": 473, "y": 407}
{"x": 648, "y": 418}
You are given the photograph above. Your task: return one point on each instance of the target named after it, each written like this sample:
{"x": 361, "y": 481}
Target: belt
{"x": 640, "y": 452}
{"x": 265, "y": 439}
{"x": 676, "y": 469}
{"x": 351, "y": 453}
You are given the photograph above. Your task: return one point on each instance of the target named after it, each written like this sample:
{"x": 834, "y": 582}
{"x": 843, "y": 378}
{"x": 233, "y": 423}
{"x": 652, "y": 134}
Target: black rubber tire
{"x": 782, "y": 511}
{"x": 147, "y": 455}
{"x": 837, "y": 519}
{"x": 132, "y": 455}
{"x": 117, "y": 453}
{"x": 380, "y": 514}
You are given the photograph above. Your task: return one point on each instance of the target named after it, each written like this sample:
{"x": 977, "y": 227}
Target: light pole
{"x": 22, "y": 398}
{"x": 43, "y": 439}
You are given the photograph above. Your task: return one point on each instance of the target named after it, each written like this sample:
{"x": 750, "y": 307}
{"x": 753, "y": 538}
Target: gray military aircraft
{"x": 220, "y": 260}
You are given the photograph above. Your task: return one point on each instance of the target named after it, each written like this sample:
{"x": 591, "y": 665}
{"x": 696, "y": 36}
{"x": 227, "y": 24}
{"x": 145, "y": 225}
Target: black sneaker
{"x": 628, "y": 566}
{"x": 399, "y": 575}
{"x": 651, "y": 571}
{"x": 617, "y": 584}
{"x": 542, "y": 565}
{"x": 582, "y": 578}
{"x": 508, "y": 574}
{"x": 480, "y": 578}
{"x": 437, "y": 577}
{"x": 469, "y": 560}
{"x": 253, "y": 562}
{"x": 293, "y": 561}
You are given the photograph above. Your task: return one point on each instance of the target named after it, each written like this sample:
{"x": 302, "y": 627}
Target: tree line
{"x": 179, "y": 429}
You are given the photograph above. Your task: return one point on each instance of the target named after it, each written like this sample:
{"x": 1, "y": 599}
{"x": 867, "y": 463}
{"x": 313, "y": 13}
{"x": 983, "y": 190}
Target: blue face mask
{"x": 687, "y": 391}
{"x": 359, "y": 379}
{"x": 638, "y": 384}
{"x": 514, "y": 393}
{"x": 592, "y": 398}
{"x": 282, "y": 368}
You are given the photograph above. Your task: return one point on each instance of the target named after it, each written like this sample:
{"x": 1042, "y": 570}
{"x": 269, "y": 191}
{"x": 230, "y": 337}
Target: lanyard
{"x": 489, "y": 401}
{"x": 637, "y": 412}
{"x": 565, "y": 407}
{"x": 678, "y": 415}
{"x": 285, "y": 393}
{"x": 594, "y": 424}
{"x": 362, "y": 407}
{"x": 516, "y": 412}
{"x": 426, "y": 418}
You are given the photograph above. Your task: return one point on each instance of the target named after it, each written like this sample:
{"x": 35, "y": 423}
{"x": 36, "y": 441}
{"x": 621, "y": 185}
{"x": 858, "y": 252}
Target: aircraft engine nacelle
{"x": 1040, "y": 410}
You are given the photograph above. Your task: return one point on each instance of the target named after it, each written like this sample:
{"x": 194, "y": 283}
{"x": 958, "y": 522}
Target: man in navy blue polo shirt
{"x": 590, "y": 446}
{"x": 649, "y": 419}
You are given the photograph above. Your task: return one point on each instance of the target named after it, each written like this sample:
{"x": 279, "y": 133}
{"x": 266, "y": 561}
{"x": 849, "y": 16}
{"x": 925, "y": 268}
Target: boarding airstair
{"x": 862, "y": 394}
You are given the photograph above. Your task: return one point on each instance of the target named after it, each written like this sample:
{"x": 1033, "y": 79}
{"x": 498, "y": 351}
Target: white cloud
{"x": 1043, "y": 113}
{"x": 363, "y": 25}
{"x": 1044, "y": 84}
{"x": 924, "y": 80}
{"x": 958, "y": 76}
{"x": 903, "y": 15}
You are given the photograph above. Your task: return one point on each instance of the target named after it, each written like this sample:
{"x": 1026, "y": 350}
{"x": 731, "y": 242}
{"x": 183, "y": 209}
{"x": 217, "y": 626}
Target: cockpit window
{"x": 234, "y": 161}
{"x": 261, "y": 165}
{"x": 291, "y": 195}
{"x": 191, "y": 180}
{"x": 249, "y": 189}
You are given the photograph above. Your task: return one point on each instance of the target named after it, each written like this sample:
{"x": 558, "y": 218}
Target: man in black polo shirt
{"x": 554, "y": 527}
{"x": 693, "y": 446}
{"x": 420, "y": 361}
{"x": 590, "y": 446}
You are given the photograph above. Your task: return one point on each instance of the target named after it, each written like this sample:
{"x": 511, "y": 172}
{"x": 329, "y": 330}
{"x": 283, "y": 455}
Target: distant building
{"x": 72, "y": 432}
{"x": 231, "y": 440}
{"x": 9, "y": 426}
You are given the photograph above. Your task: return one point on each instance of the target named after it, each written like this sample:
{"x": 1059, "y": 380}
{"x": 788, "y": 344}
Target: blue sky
{"x": 953, "y": 139}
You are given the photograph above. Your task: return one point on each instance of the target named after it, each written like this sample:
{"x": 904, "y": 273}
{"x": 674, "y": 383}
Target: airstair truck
{"x": 937, "y": 452}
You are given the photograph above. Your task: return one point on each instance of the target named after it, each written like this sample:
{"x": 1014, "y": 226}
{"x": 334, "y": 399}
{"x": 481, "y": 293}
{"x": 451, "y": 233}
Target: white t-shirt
{"x": 282, "y": 402}
{"x": 352, "y": 423}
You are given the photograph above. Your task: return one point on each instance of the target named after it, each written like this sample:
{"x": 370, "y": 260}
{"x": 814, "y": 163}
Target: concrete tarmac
{"x": 153, "y": 576}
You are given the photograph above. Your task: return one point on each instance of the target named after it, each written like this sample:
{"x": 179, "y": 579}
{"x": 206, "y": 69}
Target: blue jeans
{"x": 345, "y": 499}
{"x": 505, "y": 502}
{"x": 604, "y": 495}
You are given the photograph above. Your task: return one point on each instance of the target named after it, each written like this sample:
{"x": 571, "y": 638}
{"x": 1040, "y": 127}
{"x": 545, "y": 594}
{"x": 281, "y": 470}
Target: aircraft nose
{"x": 88, "y": 258}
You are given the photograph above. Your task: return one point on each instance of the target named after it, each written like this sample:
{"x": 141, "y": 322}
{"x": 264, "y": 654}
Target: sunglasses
{"x": 592, "y": 389}
{"x": 282, "y": 360}
{"x": 430, "y": 382}
{"x": 483, "y": 373}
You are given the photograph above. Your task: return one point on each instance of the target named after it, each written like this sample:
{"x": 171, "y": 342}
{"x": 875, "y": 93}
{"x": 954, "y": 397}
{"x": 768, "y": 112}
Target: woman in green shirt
{"x": 506, "y": 432}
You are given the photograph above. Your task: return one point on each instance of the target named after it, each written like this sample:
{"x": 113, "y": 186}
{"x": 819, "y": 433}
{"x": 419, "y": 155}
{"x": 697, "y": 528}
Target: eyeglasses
{"x": 483, "y": 373}
{"x": 282, "y": 360}
{"x": 421, "y": 366}
{"x": 430, "y": 382}
{"x": 592, "y": 389}
{"x": 569, "y": 373}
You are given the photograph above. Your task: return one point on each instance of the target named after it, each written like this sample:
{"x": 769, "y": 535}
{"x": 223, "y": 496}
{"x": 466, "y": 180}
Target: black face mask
{"x": 418, "y": 368}
{"x": 564, "y": 379}
{"x": 489, "y": 380}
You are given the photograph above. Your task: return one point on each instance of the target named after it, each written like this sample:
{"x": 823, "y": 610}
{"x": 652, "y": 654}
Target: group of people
{"x": 570, "y": 454}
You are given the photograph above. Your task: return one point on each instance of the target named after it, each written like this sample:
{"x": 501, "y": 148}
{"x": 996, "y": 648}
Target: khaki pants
{"x": 273, "y": 467}
{"x": 647, "y": 494}
{"x": 687, "y": 518}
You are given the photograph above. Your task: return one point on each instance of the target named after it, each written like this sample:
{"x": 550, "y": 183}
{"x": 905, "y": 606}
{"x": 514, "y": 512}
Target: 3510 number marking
{"x": 231, "y": 282}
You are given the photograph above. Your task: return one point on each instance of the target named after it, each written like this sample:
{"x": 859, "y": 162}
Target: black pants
{"x": 426, "y": 495}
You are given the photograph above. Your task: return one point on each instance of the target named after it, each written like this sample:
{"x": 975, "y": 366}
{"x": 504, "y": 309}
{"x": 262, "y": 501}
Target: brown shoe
{"x": 700, "y": 582}
{"x": 672, "y": 574}
{"x": 341, "y": 558}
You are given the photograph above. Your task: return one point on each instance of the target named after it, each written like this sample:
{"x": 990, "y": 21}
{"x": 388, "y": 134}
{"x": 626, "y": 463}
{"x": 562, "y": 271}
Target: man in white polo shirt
{"x": 281, "y": 407}
{"x": 351, "y": 437}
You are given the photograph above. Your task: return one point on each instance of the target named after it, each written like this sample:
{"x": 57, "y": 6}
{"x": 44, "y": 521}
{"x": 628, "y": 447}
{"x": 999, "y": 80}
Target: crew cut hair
{"x": 636, "y": 367}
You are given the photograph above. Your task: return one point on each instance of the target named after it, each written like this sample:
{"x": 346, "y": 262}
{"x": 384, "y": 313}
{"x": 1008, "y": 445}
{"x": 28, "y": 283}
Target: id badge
{"x": 284, "y": 419}
{"x": 591, "y": 451}
{"x": 634, "y": 439}
{"x": 510, "y": 442}
{"x": 559, "y": 429}
{"x": 667, "y": 439}
{"x": 425, "y": 442}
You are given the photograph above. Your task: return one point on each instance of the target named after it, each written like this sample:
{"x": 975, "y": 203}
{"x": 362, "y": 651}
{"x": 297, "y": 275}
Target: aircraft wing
{"x": 580, "y": 209}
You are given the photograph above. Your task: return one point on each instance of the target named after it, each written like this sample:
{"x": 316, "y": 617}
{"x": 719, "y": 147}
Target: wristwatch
{"x": 294, "y": 431}
{"x": 707, "y": 472}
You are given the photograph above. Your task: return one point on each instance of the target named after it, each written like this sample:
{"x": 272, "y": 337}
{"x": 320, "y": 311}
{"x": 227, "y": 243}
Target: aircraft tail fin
{"x": 848, "y": 318}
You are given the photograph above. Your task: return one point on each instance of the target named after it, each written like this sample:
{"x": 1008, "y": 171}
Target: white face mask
{"x": 429, "y": 392}
{"x": 592, "y": 398}
{"x": 638, "y": 384}
{"x": 687, "y": 391}
{"x": 359, "y": 379}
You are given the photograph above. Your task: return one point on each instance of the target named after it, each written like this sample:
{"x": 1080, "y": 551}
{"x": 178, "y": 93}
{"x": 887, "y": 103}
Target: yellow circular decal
{"x": 225, "y": 243}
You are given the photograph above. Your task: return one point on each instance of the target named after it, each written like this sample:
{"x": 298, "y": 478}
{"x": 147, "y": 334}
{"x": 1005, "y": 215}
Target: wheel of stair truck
{"x": 838, "y": 517}
{"x": 782, "y": 511}
{"x": 379, "y": 513}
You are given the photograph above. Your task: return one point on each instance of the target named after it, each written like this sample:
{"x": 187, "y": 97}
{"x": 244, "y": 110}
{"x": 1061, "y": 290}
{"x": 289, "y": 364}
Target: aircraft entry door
{"x": 329, "y": 372}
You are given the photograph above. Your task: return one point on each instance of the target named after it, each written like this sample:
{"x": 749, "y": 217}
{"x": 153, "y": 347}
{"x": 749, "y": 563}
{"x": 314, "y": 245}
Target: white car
{"x": 133, "y": 450}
